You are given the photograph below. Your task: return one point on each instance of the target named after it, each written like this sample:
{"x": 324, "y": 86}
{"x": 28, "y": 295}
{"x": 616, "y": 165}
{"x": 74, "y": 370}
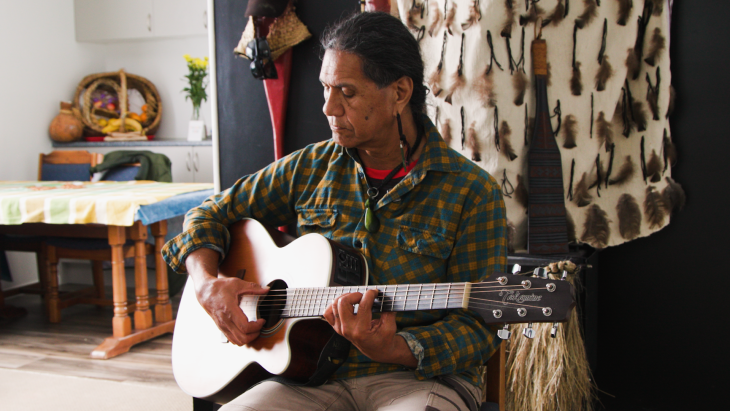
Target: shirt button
{"x": 358, "y": 243}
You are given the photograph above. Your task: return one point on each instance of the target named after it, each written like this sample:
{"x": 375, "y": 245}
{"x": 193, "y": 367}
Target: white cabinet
{"x": 202, "y": 159}
{"x": 110, "y": 20}
{"x": 104, "y": 20}
{"x": 190, "y": 164}
{"x": 180, "y": 17}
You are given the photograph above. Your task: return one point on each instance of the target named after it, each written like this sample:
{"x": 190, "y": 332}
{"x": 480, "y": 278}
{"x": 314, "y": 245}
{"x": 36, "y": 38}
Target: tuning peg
{"x": 504, "y": 333}
{"x": 565, "y": 275}
{"x": 554, "y": 330}
{"x": 516, "y": 269}
{"x": 540, "y": 272}
{"x": 529, "y": 332}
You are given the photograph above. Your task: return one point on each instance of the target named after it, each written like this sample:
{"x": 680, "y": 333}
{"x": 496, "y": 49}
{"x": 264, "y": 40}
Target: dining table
{"x": 120, "y": 213}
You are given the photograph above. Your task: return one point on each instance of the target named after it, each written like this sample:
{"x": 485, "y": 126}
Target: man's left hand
{"x": 376, "y": 339}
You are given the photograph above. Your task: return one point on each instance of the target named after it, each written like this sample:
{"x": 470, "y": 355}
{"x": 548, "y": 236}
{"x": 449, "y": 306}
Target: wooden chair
{"x": 67, "y": 165}
{"x": 496, "y": 376}
{"x": 56, "y": 166}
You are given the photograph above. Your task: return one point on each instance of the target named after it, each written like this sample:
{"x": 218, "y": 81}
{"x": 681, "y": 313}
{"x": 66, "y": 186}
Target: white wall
{"x": 162, "y": 63}
{"x": 42, "y": 64}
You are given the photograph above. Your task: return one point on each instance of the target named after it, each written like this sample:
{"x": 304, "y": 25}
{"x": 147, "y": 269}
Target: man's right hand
{"x": 220, "y": 297}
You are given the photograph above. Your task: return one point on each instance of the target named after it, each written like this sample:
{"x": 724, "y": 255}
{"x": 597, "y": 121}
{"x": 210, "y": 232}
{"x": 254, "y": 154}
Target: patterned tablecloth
{"x": 105, "y": 202}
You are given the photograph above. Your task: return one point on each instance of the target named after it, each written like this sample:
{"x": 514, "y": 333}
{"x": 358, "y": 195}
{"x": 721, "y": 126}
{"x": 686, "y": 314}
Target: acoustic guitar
{"x": 304, "y": 276}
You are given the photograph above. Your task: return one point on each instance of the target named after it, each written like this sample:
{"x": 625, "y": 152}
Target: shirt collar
{"x": 436, "y": 155}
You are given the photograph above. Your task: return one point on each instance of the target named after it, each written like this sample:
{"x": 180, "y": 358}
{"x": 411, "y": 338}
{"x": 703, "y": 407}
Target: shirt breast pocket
{"x": 320, "y": 221}
{"x": 424, "y": 242}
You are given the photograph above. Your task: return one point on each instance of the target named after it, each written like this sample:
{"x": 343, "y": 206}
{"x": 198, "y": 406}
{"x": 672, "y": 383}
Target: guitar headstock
{"x": 508, "y": 298}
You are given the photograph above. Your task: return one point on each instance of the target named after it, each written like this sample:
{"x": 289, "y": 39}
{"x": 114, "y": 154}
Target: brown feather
{"x": 505, "y": 141}
{"x": 672, "y": 100}
{"x": 653, "y": 99}
{"x": 413, "y": 14}
{"x": 557, "y": 15}
{"x": 596, "y": 229}
{"x": 589, "y": 13}
{"x": 472, "y": 17}
{"x": 658, "y": 7}
{"x": 581, "y": 196}
{"x": 473, "y": 143}
{"x": 605, "y": 71}
{"x": 571, "y": 227}
{"x": 654, "y": 167}
{"x": 604, "y": 131}
{"x": 434, "y": 80}
{"x": 449, "y": 19}
{"x": 533, "y": 15}
{"x": 599, "y": 176}
{"x": 576, "y": 86}
{"x": 670, "y": 152}
{"x": 653, "y": 208}
{"x": 570, "y": 131}
{"x": 484, "y": 87}
{"x": 673, "y": 196}
{"x": 657, "y": 45}
{"x": 638, "y": 114}
{"x": 509, "y": 20}
{"x": 633, "y": 64}
{"x": 511, "y": 236}
{"x": 624, "y": 10}
{"x": 629, "y": 217}
{"x": 624, "y": 173}
{"x": 436, "y": 18}
{"x": 457, "y": 82}
{"x": 446, "y": 131}
{"x": 519, "y": 83}
{"x": 521, "y": 195}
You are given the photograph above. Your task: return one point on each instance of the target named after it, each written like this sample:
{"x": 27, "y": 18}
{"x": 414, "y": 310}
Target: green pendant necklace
{"x": 372, "y": 224}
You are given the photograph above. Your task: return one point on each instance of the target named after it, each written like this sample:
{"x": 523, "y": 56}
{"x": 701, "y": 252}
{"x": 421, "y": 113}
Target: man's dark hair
{"x": 387, "y": 49}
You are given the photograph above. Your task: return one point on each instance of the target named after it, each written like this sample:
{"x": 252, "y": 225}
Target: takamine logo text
{"x": 511, "y": 296}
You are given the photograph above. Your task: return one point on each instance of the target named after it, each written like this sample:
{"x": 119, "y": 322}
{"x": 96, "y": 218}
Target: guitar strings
{"x": 404, "y": 294}
{"x": 403, "y": 302}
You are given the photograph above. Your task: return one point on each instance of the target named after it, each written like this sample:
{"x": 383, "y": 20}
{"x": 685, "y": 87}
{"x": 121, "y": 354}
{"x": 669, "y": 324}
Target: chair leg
{"x": 497, "y": 377}
{"x": 98, "y": 272}
{"x": 42, "y": 264}
{"x": 54, "y": 313}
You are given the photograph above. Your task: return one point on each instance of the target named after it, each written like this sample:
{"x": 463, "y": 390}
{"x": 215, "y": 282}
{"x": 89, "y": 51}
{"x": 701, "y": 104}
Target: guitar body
{"x": 206, "y": 366}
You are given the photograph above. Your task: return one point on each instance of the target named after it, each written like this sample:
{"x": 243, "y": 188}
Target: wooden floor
{"x": 31, "y": 343}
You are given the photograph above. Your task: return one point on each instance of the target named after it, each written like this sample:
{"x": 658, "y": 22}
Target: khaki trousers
{"x": 385, "y": 392}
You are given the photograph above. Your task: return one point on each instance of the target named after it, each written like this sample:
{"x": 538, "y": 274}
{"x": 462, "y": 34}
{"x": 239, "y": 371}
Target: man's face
{"x": 360, "y": 114}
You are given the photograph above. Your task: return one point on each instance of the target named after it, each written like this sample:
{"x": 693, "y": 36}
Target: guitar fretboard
{"x": 311, "y": 302}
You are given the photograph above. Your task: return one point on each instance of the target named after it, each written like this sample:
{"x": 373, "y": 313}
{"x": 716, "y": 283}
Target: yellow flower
{"x": 187, "y": 57}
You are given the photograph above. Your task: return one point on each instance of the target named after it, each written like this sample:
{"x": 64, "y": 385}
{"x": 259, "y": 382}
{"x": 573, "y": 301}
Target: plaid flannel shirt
{"x": 443, "y": 222}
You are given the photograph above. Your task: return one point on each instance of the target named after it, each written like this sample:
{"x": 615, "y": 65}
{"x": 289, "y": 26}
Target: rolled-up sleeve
{"x": 265, "y": 196}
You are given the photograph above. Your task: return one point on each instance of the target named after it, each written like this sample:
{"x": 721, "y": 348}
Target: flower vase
{"x": 196, "y": 127}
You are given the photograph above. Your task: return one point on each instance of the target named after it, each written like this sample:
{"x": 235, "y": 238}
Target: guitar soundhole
{"x": 272, "y": 305}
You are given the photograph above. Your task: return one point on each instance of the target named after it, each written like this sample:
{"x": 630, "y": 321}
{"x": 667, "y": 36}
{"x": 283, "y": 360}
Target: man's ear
{"x": 403, "y": 92}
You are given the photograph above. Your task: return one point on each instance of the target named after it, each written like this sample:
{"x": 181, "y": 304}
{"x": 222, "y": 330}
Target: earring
{"x": 403, "y": 142}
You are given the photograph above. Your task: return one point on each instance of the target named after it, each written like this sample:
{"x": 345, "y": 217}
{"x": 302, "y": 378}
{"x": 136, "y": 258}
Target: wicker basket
{"x": 117, "y": 83}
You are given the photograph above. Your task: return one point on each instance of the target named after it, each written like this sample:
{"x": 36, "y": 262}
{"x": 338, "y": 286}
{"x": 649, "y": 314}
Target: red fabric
{"x": 381, "y": 174}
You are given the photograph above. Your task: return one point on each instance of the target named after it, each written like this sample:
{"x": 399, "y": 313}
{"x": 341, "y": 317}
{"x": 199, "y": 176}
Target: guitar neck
{"x": 311, "y": 302}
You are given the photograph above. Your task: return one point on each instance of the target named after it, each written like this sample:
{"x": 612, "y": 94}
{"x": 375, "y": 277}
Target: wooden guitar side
{"x": 205, "y": 366}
